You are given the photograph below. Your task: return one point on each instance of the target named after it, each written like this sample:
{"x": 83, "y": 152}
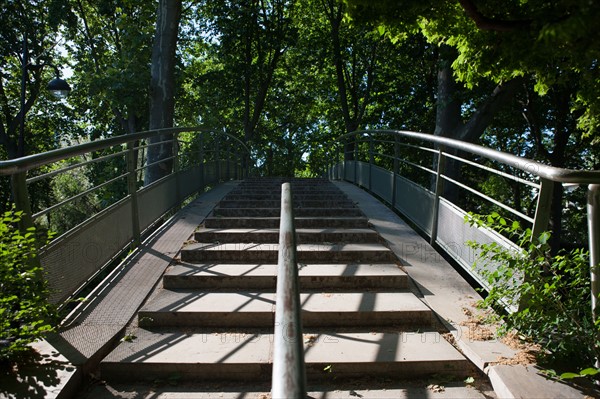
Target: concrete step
{"x": 336, "y": 389}
{"x": 189, "y": 308}
{"x": 305, "y": 253}
{"x": 303, "y": 236}
{"x": 273, "y": 222}
{"x": 275, "y": 212}
{"x": 321, "y": 277}
{"x": 247, "y": 356}
{"x": 298, "y": 196}
{"x": 269, "y": 194}
{"x": 316, "y": 203}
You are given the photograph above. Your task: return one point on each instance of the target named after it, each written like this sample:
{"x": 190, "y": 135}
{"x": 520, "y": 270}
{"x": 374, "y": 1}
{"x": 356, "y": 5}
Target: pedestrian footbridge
{"x": 214, "y": 282}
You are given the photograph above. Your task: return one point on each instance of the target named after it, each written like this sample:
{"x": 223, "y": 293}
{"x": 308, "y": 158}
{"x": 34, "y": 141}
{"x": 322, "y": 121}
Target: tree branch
{"x": 485, "y": 23}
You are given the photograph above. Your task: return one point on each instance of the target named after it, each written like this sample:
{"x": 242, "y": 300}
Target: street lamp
{"x": 59, "y": 87}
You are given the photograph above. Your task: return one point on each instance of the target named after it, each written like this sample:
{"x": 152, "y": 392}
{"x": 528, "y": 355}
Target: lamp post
{"x": 57, "y": 86}
{"x": 60, "y": 89}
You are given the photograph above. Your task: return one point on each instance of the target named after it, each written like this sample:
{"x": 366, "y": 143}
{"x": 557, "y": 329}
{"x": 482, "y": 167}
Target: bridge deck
{"x": 442, "y": 288}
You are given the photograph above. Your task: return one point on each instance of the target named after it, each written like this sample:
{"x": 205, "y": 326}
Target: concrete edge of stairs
{"x": 451, "y": 298}
{"x": 73, "y": 351}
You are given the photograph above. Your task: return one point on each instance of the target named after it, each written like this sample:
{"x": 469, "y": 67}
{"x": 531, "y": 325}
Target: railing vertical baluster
{"x": 217, "y": 159}
{"x": 176, "y": 168}
{"x": 342, "y": 157}
{"x": 542, "y": 210}
{"x": 228, "y": 165}
{"x": 371, "y": 162}
{"x": 396, "y": 169}
{"x": 132, "y": 190}
{"x": 289, "y": 379}
{"x": 356, "y": 158}
{"x": 201, "y": 160}
{"x": 18, "y": 182}
{"x": 439, "y": 187}
{"x": 593, "y": 219}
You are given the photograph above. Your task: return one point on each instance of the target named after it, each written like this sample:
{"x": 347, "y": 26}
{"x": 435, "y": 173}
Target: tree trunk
{"x": 162, "y": 88}
{"x": 449, "y": 114}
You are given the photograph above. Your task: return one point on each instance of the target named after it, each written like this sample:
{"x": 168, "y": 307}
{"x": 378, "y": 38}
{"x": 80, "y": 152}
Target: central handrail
{"x": 289, "y": 378}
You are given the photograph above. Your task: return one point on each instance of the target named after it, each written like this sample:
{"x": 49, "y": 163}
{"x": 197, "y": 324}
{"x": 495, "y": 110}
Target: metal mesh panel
{"x": 363, "y": 173}
{"x": 72, "y": 259}
{"x": 210, "y": 172}
{"x": 382, "y": 183}
{"x": 415, "y": 202}
{"x": 349, "y": 172}
{"x": 453, "y": 233}
{"x": 155, "y": 200}
{"x": 191, "y": 179}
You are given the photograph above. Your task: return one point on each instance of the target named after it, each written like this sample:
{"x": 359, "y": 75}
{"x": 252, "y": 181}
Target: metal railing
{"x": 289, "y": 378}
{"x": 435, "y": 182}
{"x": 101, "y": 207}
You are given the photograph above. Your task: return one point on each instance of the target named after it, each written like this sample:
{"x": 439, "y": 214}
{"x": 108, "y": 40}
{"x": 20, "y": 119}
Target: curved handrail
{"x": 133, "y": 209}
{"x": 561, "y": 175}
{"x": 23, "y": 164}
{"x": 548, "y": 176}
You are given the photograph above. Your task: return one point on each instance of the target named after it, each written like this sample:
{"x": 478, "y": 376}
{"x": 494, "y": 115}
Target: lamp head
{"x": 59, "y": 87}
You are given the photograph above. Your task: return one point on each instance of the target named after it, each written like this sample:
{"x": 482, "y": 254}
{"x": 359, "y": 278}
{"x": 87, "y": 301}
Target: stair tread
{"x": 248, "y": 270}
{"x": 181, "y": 348}
{"x": 275, "y": 230}
{"x": 183, "y": 301}
{"x": 303, "y": 235}
{"x": 315, "y": 247}
{"x": 389, "y": 390}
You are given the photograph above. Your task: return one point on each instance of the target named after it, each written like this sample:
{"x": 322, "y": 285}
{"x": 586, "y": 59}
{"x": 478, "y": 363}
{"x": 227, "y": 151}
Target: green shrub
{"x": 548, "y": 297}
{"x": 25, "y": 313}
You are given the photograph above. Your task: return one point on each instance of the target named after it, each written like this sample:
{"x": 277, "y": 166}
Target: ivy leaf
{"x": 569, "y": 376}
{"x": 590, "y": 371}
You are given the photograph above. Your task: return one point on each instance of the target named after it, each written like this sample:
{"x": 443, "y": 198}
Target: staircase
{"x": 211, "y": 320}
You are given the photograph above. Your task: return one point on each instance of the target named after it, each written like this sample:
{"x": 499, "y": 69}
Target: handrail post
{"x": 177, "y": 167}
{"x": 593, "y": 216}
{"x": 289, "y": 378}
{"x": 132, "y": 189}
{"x": 342, "y": 158}
{"x": 396, "y": 169}
{"x": 18, "y": 182}
{"x": 201, "y": 160}
{"x": 439, "y": 187}
{"x": 542, "y": 210}
{"x": 355, "y": 159}
{"x": 217, "y": 158}
{"x": 371, "y": 162}
{"x": 228, "y": 160}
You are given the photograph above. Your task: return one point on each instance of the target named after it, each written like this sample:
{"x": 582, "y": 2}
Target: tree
{"x": 162, "y": 87}
{"x": 28, "y": 34}
{"x": 113, "y": 39}
{"x": 553, "y": 41}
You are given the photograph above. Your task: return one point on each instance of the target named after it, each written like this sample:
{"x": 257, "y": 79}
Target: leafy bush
{"x": 25, "y": 313}
{"x": 551, "y": 304}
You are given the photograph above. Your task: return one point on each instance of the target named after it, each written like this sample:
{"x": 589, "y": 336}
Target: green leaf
{"x": 569, "y": 376}
{"x": 589, "y": 371}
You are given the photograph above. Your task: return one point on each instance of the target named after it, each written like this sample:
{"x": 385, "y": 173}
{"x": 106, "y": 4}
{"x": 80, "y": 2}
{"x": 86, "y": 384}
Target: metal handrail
{"x": 547, "y": 176}
{"x": 130, "y": 211}
{"x": 560, "y": 175}
{"x": 289, "y": 377}
{"x": 26, "y": 163}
